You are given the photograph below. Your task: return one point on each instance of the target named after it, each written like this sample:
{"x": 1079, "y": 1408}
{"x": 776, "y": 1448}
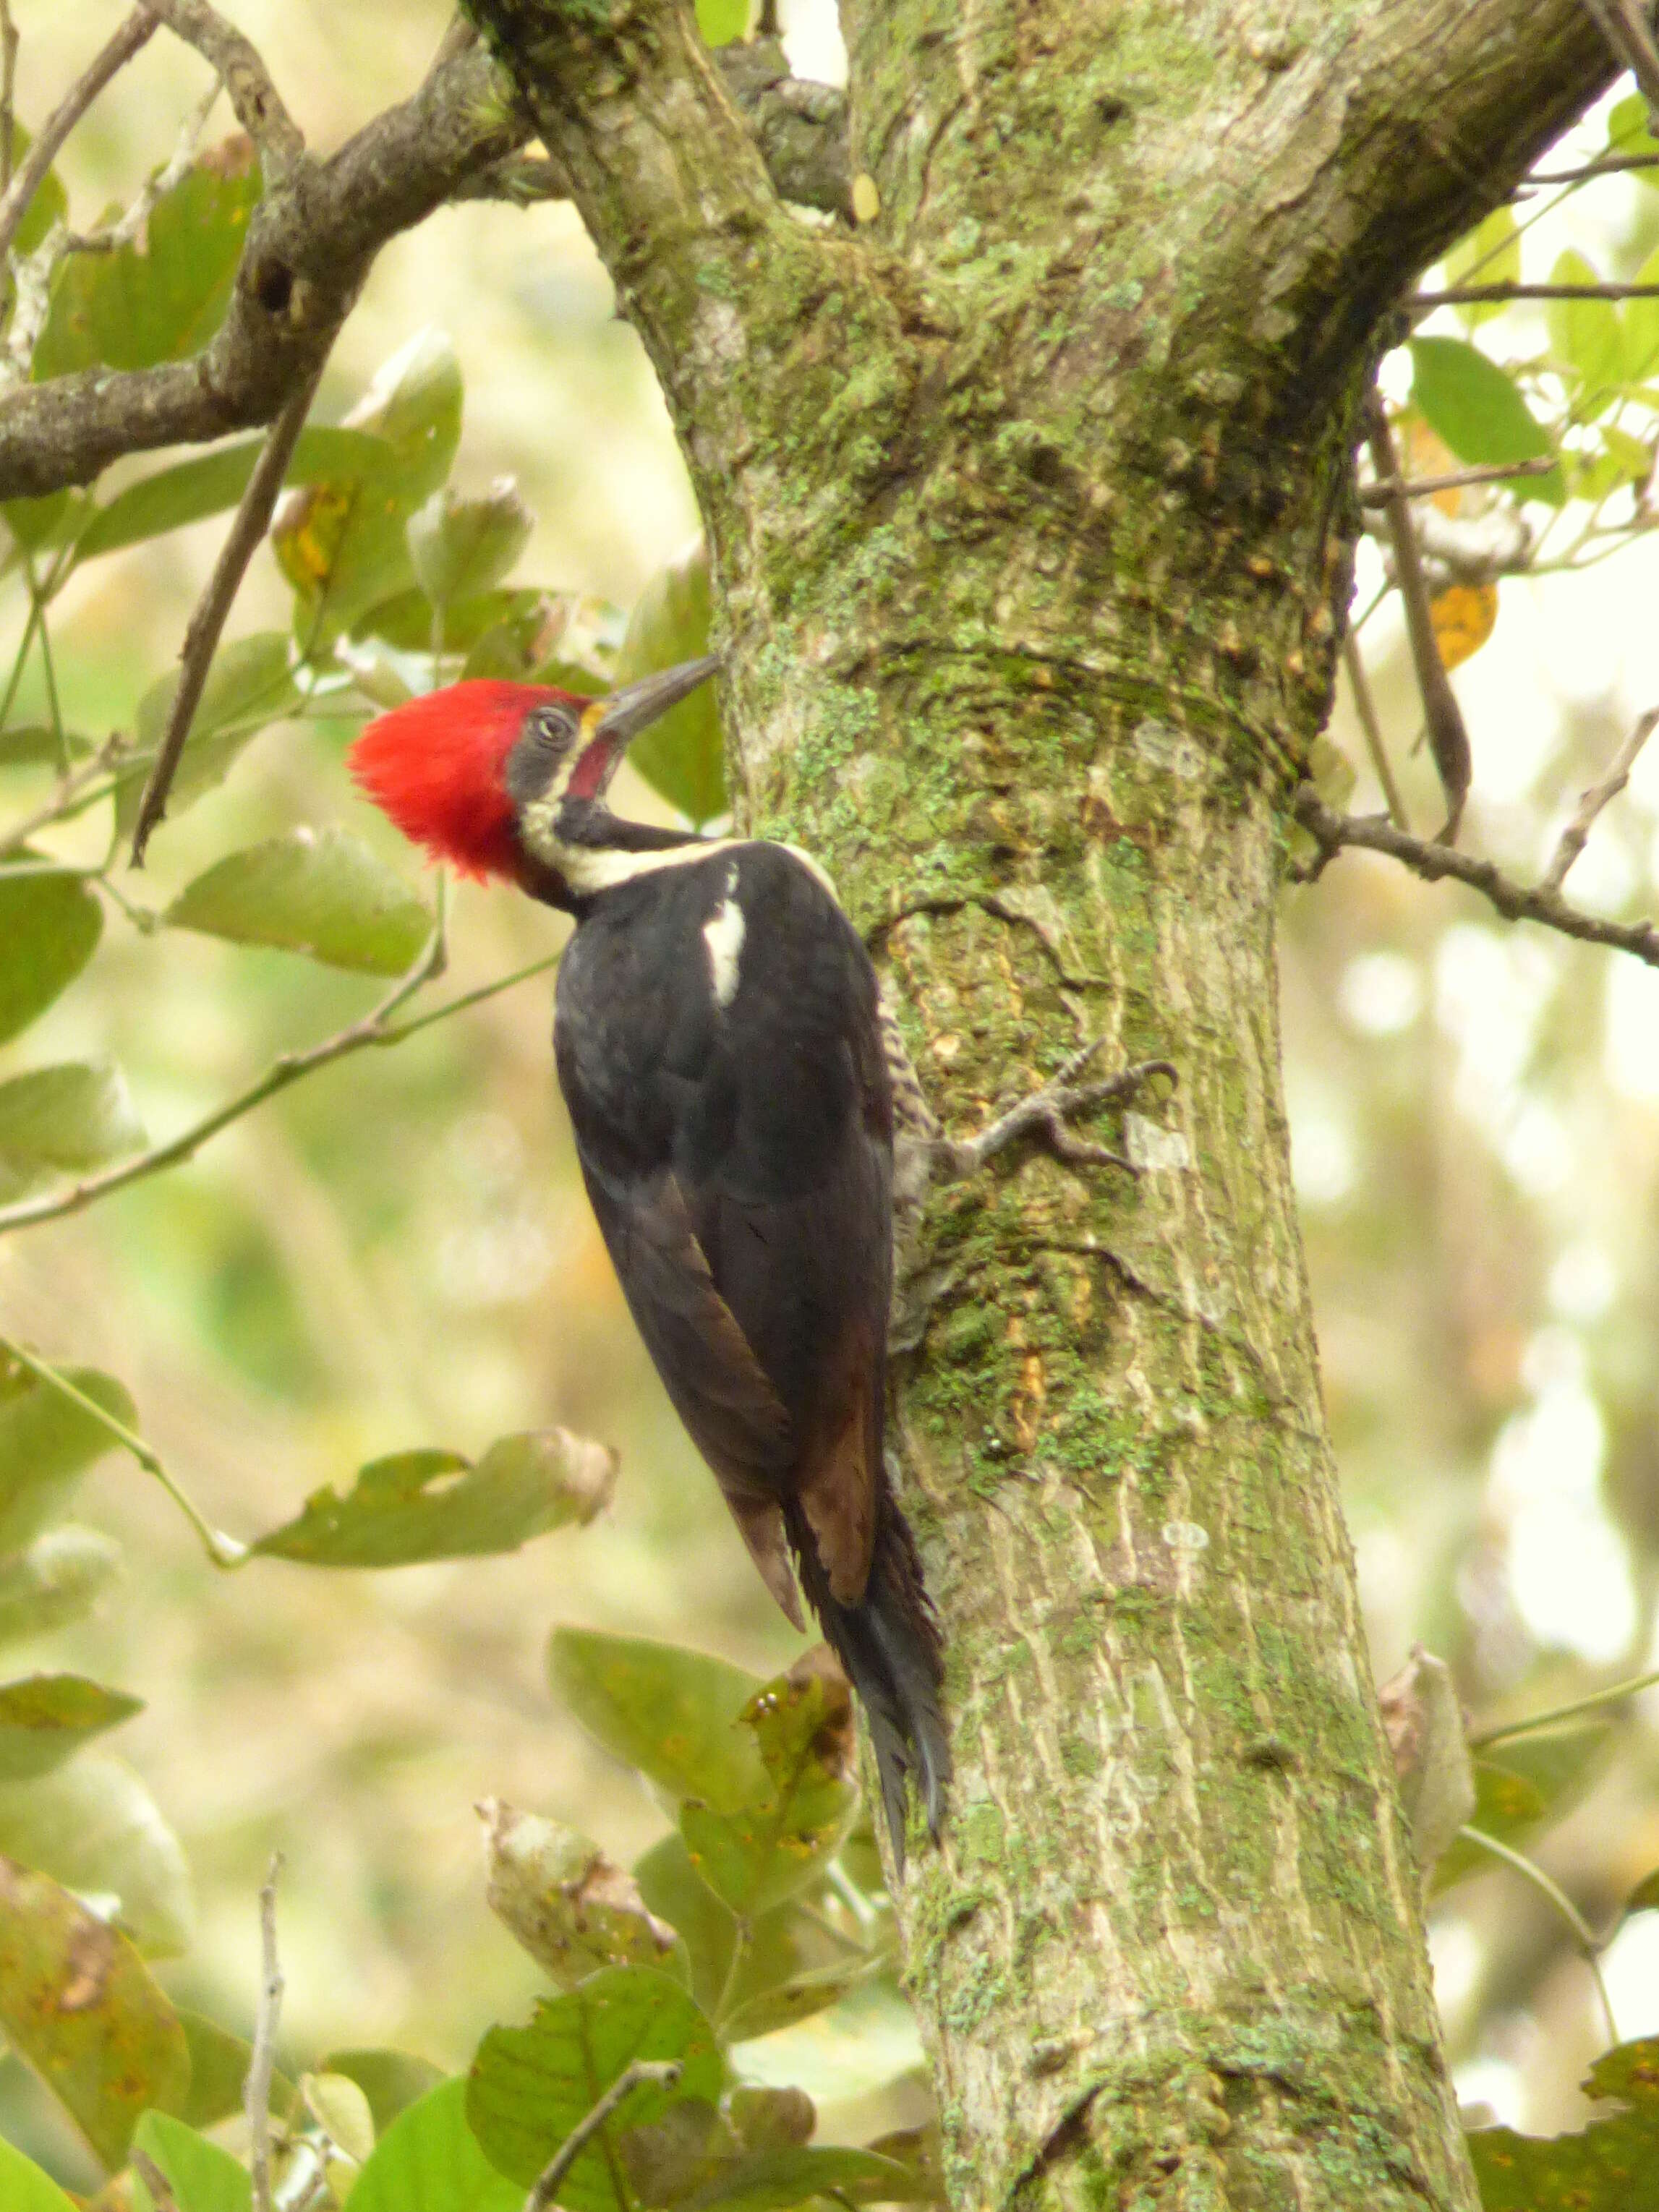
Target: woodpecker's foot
{"x": 1046, "y": 1113}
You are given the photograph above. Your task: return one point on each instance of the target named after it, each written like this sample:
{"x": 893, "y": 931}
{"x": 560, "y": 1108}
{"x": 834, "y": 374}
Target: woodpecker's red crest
{"x": 437, "y": 768}
{"x": 455, "y": 769}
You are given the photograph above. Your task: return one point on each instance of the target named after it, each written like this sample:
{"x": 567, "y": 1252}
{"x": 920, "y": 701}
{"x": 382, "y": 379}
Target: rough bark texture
{"x": 1032, "y": 513}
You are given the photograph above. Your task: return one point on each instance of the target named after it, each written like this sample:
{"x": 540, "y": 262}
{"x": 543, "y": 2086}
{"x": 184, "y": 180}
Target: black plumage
{"x": 719, "y": 1050}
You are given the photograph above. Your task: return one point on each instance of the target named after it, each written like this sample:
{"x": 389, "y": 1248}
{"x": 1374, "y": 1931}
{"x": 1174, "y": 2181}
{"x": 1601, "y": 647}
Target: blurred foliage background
{"x": 397, "y": 1251}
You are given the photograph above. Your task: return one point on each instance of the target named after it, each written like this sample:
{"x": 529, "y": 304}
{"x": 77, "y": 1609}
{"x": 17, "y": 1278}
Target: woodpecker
{"x": 718, "y": 1038}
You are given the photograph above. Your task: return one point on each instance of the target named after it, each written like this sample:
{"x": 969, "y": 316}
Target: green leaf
{"x": 771, "y": 2119}
{"x": 203, "y": 2178}
{"x": 1585, "y": 338}
{"x": 58, "y": 1579}
{"x": 46, "y": 1717}
{"x": 320, "y": 892}
{"x": 341, "y": 544}
{"x": 570, "y": 1907}
{"x": 722, "y": 20}
{"x": 672, "y": 1713}
{"x": 211, "y": 483}
{"x": 763, "y": 2011}
{"x": 32, "y": 744}
{"x": 1645, "y": 1897}
{"x": 531, "y": 2087}
{"x": 683, "y": 755}
{"x": 49, "y": 928}
{"x": 56, "y": 1120}
{"x": 162, "y": 296}
{"x": 250, "y": 685}
{"x": 94, "y": 1827}
{"x": 783, "y": 1976}
{"x": 772, "y": 2180}
{"x": 342, "y": 2112}
{"x": 435, "y": 1505}
{"x": 1632, "y": 461}
{"x": 1471, "y": 403}
{"x": 36, "y": 524}
{"x": 78, "y": 2004}
{"x": 1628, "y": 133}
{"x": 391, "y": 2081}
{"x": 763, "y": 1851}
{"x": 461, "y": 548}
{"x": 48, "y": 1443}
{"x": 218, "y": 2068}
{"x": 405, "y": 620}
{"x": 429, "y": 2161}
{"x": 1611, "y": 2166}
{"x": 1534, "y": 1779}
{"x": 25, "y": 2188}
{"x": 1489, "y": 254}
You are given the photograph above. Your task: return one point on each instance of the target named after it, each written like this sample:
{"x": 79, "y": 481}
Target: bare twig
{"x": 1379, "y": 494}
{"x": 1605, "y": 166}
{"x": 1469, "y": 295}
{"x": 1582, "y": 1933}
{"x": 664, "y": 2072}
{"x": 1449, "y": 740}
{"x": 1625, "y": 27}
{"x": 236, "y": 62}
{"x": 256, "y": 2093}
{"x": 221, "y": 1550}
{"x": 9, "y": 42}
{"x": 207, "y": 623}
{"x": 1515, "y": 902}
{"x": 1574, "y": 836}
{"x": 118, "y": 51}
{"x": 1366, "y": 707}
{"x": 375, "y": 1028}
{"x": 161, "y": 2188}
{"x": 1597, "y": 1701}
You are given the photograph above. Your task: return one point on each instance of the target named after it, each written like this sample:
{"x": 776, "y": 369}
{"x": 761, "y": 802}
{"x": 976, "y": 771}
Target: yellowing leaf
{"x": 1463, "y": 616}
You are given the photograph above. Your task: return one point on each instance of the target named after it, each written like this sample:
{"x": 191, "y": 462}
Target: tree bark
{"x": 1032, "y": 514}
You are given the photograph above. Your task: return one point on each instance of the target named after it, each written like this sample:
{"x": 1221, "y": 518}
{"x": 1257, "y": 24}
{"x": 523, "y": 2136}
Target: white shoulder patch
{"x": 723, "y": 933}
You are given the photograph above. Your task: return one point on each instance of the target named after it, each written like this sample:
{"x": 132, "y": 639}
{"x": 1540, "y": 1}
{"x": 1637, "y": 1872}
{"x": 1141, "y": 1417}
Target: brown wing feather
{"x": 836, "y": 1473}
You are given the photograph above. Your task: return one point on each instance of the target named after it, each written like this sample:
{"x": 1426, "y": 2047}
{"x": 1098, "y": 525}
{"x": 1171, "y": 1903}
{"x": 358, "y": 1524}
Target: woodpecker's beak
{"x": 626, "y": 712}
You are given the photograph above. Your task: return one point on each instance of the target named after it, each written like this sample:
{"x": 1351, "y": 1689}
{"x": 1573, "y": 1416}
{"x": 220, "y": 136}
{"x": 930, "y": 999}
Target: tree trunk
{"x": 1032, "y": 515}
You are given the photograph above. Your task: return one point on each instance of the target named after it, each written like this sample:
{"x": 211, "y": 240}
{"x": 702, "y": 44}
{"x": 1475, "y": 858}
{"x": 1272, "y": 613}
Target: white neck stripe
{"x": 589, "y": 869}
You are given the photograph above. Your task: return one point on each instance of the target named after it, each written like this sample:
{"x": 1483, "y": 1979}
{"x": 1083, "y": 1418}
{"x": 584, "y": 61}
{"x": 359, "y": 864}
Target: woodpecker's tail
{"x": 890, "y": 1645}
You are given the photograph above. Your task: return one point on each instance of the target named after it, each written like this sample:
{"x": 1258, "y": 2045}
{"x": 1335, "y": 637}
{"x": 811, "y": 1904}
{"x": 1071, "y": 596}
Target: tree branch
{"x": 139, "y": 27}
{"x": 1449, "y": 740}
{"x": 1575, "y": 836}
{"x": 207, "y": 623}
{"x": 236, "y": 61}
{"x": 313, "y": 239}
{"x": 1515, "y": 901}
{"x": 256, "y": 2093}
{"x": 663, "y": 2072}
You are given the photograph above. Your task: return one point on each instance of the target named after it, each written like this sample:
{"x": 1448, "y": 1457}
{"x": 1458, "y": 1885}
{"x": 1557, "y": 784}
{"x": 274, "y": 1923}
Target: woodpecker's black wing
{"x": 719, "y": 1051}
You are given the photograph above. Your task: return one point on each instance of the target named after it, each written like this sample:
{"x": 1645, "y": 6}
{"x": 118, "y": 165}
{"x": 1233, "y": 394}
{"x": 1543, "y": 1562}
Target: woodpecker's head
{"x": 507, "y": 779}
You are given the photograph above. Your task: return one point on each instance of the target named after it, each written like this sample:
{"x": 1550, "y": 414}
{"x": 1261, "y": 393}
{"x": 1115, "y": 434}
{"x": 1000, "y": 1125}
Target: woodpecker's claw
{"x": 1046, "y": 1112}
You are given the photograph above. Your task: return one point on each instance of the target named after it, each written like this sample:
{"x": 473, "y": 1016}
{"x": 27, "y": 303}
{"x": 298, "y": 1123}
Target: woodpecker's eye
{"x": 547, "y": 736}
{"x": 551, "y": 726}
